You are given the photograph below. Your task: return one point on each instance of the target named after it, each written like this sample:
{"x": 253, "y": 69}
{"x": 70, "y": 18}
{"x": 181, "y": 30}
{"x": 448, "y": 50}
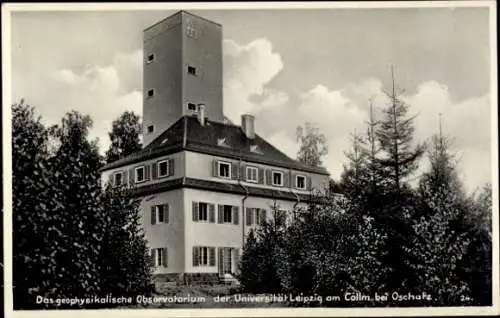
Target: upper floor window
{"x": 252, "y": 174}
{"x": 300, "y": 182}
{"x": 163, "y": 168}
{"x": 255, "y": 216}
{"x": 191, "y": 70}
{"x": 203, "y": 212}
{"x": 118, "y": 179}
{"x": 151, "y": 128}
{"x": 151, "y": 93}
{"x": 277, "y": 178}
{"x": 228, "y": 214}
{"x": 224, "y": 169}
{"x": 140, "y": 174}
{"x": 159, "y": 214}
{"x": 150, "y": 58}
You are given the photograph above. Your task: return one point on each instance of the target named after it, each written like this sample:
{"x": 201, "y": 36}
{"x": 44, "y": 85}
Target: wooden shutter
{"x": 152, "y": 256}
{"x": 261, "y": 176}
{"x": 131, "y": 177}
{"x": 165, "y": 257}
{"x": 269, "y": 177}
{"x": 220, "y": 214}
{"x": 215, "y": 168}
{"x": 195, "y": 211}
{"x": 110, "y": 178}
{"x": 243, "y": 172}
{"x": 196, "y": 252}
{"x": 234, "y": 170}
{"x": 263, "y": 215}
{"x": 125, "y": 177}
{"x": 211, "y": 213}
{"x": 154, "y": 170}
{"x": 171, "y": 167}
{"x": 248, "y": 216}
{"x": 236, "y": 259}
{"x": 166, "y": 213}
{"x": 220, "y": 260}
{"x": 211, "y": 256}
{"x": 153, "y": 215}
{"x": 286, "y": 179}
{"x": 236, "y": 213}
{"x": 308, "y": 183}
{"x": 147, "y": 172}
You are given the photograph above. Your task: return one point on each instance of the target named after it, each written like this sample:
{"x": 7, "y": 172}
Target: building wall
{"x": 200, "y": 166}
{"x": 202, "y": 48}
{"x": 170, "y": 235}
{"x": 164, "y": 75}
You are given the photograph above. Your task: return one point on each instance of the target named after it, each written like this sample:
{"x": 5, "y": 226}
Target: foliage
{"x": 124, "y": 136}
{"x": 312, "y": 145}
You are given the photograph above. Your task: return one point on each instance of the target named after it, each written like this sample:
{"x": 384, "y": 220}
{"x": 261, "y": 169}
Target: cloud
{"x": 247, "y": 70}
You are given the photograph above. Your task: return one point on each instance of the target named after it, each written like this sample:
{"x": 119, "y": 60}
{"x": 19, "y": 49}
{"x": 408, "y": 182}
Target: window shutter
{"x": 131, "y": 177}
{"x": 234, "y": 170}
{"x": 215, "y": 168}
{"x": 261, "y": 176}
{"x": 269, "y": 176}
{"x": 195, "y": 211}
{"x": 263, "y": 216}
{"x": 220, "y": 260}
{"x": 195, "y": 255}
{"x": 153, "y": 215}
{"x": 110, "y": 178}
{"x": 249, "y": 216}
{"x": 220, "y": 214}
{"x": 171, "y": 167}
{"x": 147, "y": 172}
{"x": 243, "y": 172}
{"x": 165, "y": 257}
{"x": 125, "y": 177}
{"x": 166, "y": 213}
{"x": 236, "y": 259}
{"x": 236, "y": 212}
{"x": 286, "y": 179}
{"x": 212, "y": 256}
{"x": 211, "y": 213}
{"x": 152, "y": 257}
{"x": 154, "y": 170}
{"x": 308, "y": 183}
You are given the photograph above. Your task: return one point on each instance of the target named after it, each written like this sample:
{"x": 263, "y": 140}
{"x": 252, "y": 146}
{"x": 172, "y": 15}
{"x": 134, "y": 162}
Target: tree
{"x": 124, "y": 136}
{"x": 438, "y": 246}
{"x": 395, "y": 135}
{"x": 312, "y": 145}
{"x": 125, "y": 264}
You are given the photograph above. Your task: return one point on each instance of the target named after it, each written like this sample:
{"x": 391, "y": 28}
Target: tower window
{"x": 150, "y": 58}
{"x": 192, "y": 107}
{"x": 192, "y": 70}
{"x": 151, "y": 128}
{"x": 151, "y": 93}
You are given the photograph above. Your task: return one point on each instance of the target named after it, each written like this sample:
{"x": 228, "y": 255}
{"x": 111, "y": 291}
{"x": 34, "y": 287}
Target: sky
{"x": 285, "y": 66}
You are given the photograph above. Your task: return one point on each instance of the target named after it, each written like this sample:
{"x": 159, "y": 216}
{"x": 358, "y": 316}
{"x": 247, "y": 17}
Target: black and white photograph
{"x": 250, "y": 159}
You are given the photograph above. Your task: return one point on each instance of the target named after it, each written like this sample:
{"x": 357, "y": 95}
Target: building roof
{"x": 214, "y": 138}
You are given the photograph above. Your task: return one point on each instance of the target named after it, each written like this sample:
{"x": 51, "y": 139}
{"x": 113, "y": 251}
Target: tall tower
{"x": 182, "y": 69}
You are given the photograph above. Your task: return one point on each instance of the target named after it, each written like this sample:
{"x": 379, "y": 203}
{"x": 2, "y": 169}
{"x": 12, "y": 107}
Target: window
{"x": 159, "y": 214}
{"x": 203, "y": 256}
{"x": 118, "y": 179}
{"x": 151, "y": 93}
{"x": 203, "y": 212}
{"x": 255, "y": 216}
{"x": 163, "y": 168}
{"x": 224, "y": 169}
{"x": 191, "y": 70}
{"x": 228, "y": 214}
{"x": 252, "y": 174}
{"x": 151, "y": 128}
{"x": 150, "y": 58}
{"x": 192, "y": 107}
{"x": 300, "y": 182}
{"x": 255, "y": 149}
{"x": 139, "y": 174}
{"x": 277, "y": 178}
{"x": 160, "y": 257}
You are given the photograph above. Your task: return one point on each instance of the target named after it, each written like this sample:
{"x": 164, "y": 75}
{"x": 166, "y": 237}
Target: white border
{"x": 241, "y": 312}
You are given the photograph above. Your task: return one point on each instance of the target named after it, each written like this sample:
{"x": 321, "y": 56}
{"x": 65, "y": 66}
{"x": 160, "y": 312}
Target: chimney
{"x": 201, "y": 114}
{"x": 247, "y": 125}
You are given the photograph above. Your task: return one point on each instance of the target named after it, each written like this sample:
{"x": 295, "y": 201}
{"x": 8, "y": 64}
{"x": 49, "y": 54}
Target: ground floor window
{"x": 203, "y": 256}
{"x": 160, "y": 257}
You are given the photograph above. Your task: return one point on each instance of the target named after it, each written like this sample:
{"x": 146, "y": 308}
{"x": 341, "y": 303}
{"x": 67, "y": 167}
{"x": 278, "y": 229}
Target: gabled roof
{"x": 188, "y": 134}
